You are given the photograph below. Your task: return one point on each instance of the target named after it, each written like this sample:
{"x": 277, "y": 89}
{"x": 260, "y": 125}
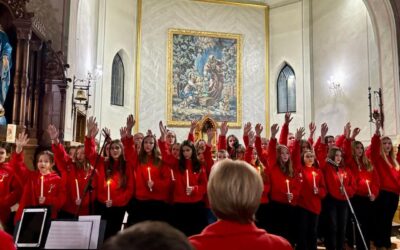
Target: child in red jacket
{"x": 10, "y": 188}
{"x": 339, "y": 179}
{"x": 77, "y": 174}
{"x": 189, "y": 192}
{"x": 153, "y": 181}
{"x": 367, "y": 181}
{"x": 251, "y": 156}
{"x": 384, "y": 160}
{"x": 42, "y": 187}
{"x": 115, "y": 178}
{"x": 286, "y": 184}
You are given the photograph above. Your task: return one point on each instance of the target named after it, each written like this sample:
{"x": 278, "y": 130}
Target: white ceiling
{"x": 270, "y": 3}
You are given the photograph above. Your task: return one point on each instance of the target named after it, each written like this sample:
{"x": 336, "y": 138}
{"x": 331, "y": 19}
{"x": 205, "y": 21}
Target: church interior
{"x": 330, "y": 61}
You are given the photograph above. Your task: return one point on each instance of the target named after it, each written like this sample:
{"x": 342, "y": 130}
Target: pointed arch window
{"x": 117, "y": 81}
{"x": 286, "y": 88}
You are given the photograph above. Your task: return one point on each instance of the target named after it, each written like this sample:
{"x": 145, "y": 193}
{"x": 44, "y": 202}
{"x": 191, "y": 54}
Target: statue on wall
{"x": 5, "y": 71}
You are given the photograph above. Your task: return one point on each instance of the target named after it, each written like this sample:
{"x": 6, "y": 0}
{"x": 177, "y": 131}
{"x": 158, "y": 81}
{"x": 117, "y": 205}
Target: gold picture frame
{"x": 204, "y": 77}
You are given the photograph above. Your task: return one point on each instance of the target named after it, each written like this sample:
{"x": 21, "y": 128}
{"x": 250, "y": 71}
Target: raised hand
{"x": 224, "y": 128}
{"x": 149, "y": 132}
{"x": 21, "y": 141}
{"x": 312, "y": 129}
{"x": 130, "y": 122}
{"x": 163, "y": 131}
{"x": 324, "y": 132}
{"x": 274, "y": 130}
{"x": 288, "y": 117}
{"x": 92, "y": 128}
{"x": 378, "y": 126}
{"x": 356, "y": 131}
{"x": 347, "y": 130}
{"x": 106, "y": 132}
{"x": 210, "y": 135}
{"x": 193, "y": 125}
{"x": 247, "y": 128}
{"x": 53, "y": 133}
{"x": 300, "y": 132}
{"x": 123, "y": 131}
{"x": 259, "y": 128}
{"x": 252, "y": 138}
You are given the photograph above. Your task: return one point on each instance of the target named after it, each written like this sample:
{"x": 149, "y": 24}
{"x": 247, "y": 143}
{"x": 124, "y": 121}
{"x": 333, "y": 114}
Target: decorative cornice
{"x": 18, "y": 7}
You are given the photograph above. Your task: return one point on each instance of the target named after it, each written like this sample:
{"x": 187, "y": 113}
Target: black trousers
{"x": 190, "y": 218}
{"x": 282, "y": 221}
{"x": 306, "y": 229}
{"x": 337, "y": 213}
{"x": 363, "y": 209}
{"x": 114, "y": 217}
{"x": 385, "y": 207}
{"x": 154, "y": 210}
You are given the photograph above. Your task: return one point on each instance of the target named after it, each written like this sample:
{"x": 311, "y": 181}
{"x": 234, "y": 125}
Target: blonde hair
{"x": 364, "y": 160}
{"x": 391, "y": 153}
{"x": 234, "y": 190}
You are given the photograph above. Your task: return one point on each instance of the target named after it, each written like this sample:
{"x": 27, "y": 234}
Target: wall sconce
{"x": 334, "y": 86}
{"x": 377, "y": 112}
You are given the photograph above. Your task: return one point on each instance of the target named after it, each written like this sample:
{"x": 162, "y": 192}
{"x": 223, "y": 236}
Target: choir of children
{"x": 167, "y": 181}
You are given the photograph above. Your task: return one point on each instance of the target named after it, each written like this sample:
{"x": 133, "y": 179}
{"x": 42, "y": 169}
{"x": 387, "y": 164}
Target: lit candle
{"x": 369, "y": 189}
{"x": 77, "y": 190}
{"x": 172, "y": 175}
{"x": 41, "y": 186}
{"x": 148, "y": 172}
{"x": 187, "y": 178}
{"x": 108, "y": 190}
{"x": 259, "y": 170}
{"x": 287, "y": 185}
{"x": 313, "y": 177}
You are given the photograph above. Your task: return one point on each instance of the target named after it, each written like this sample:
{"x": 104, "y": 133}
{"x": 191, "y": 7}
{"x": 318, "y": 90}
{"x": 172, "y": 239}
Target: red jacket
{"x": 10, "y": 188}
{"x": 332, "y": 176}
{"x": 262, "y": 154}
{"x": 53, "y": 190}
{"x": 234, "y": 236}
{"x": 308, "y": 199}
{"x": 73, "y": 174}
{"x": 160, "y": 175}
{"x": 198, "y": 180}
{"x": 267, "y": 185}
{"x": 7, "y": 242}
{"x": 388, "y": 175}
{"x": 120, "y": 196}
{"x": 280, "y": 181}
{"x": 360, "y": 173}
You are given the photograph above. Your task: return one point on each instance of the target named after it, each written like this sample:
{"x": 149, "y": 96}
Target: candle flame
{"x": 287, "y": 181}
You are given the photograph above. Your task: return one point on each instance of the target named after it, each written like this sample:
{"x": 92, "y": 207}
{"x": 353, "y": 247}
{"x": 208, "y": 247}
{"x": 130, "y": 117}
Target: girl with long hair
{"x": 189, "y": 191}
{"x": 384, "y": 160}
{"x": 251, "y": 156}
{"x": 339, "y": 180}
{"x": 115, "y": 178}
{"x": 286, "y": 184}
{"x": 367, "y": 181}
{"x": 78, "y": 171}
{"x": 153, "y": 180}
{"x": 309, "y": 204}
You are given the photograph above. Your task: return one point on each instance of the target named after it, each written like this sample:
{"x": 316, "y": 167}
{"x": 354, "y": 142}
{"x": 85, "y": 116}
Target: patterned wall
{"x": 159, "y": 16}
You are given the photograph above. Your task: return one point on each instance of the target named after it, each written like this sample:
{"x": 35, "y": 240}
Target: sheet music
{"x": 95, "y": 229}
{"x": 69, "y": 235}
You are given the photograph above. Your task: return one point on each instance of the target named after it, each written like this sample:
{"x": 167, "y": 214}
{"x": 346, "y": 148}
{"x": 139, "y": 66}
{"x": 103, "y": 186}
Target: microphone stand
{"x": 89, "y": 187}
{"x": 343, "y": 189}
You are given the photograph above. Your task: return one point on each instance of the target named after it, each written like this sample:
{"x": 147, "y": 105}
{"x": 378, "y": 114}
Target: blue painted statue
{"x": 5, "y": 73}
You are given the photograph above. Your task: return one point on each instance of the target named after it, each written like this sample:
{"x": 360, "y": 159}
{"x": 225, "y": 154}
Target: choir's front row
{"x": 304, "y": 186}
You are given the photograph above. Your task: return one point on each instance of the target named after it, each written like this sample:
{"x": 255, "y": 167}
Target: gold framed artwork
{"x": 204, "y": 77}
